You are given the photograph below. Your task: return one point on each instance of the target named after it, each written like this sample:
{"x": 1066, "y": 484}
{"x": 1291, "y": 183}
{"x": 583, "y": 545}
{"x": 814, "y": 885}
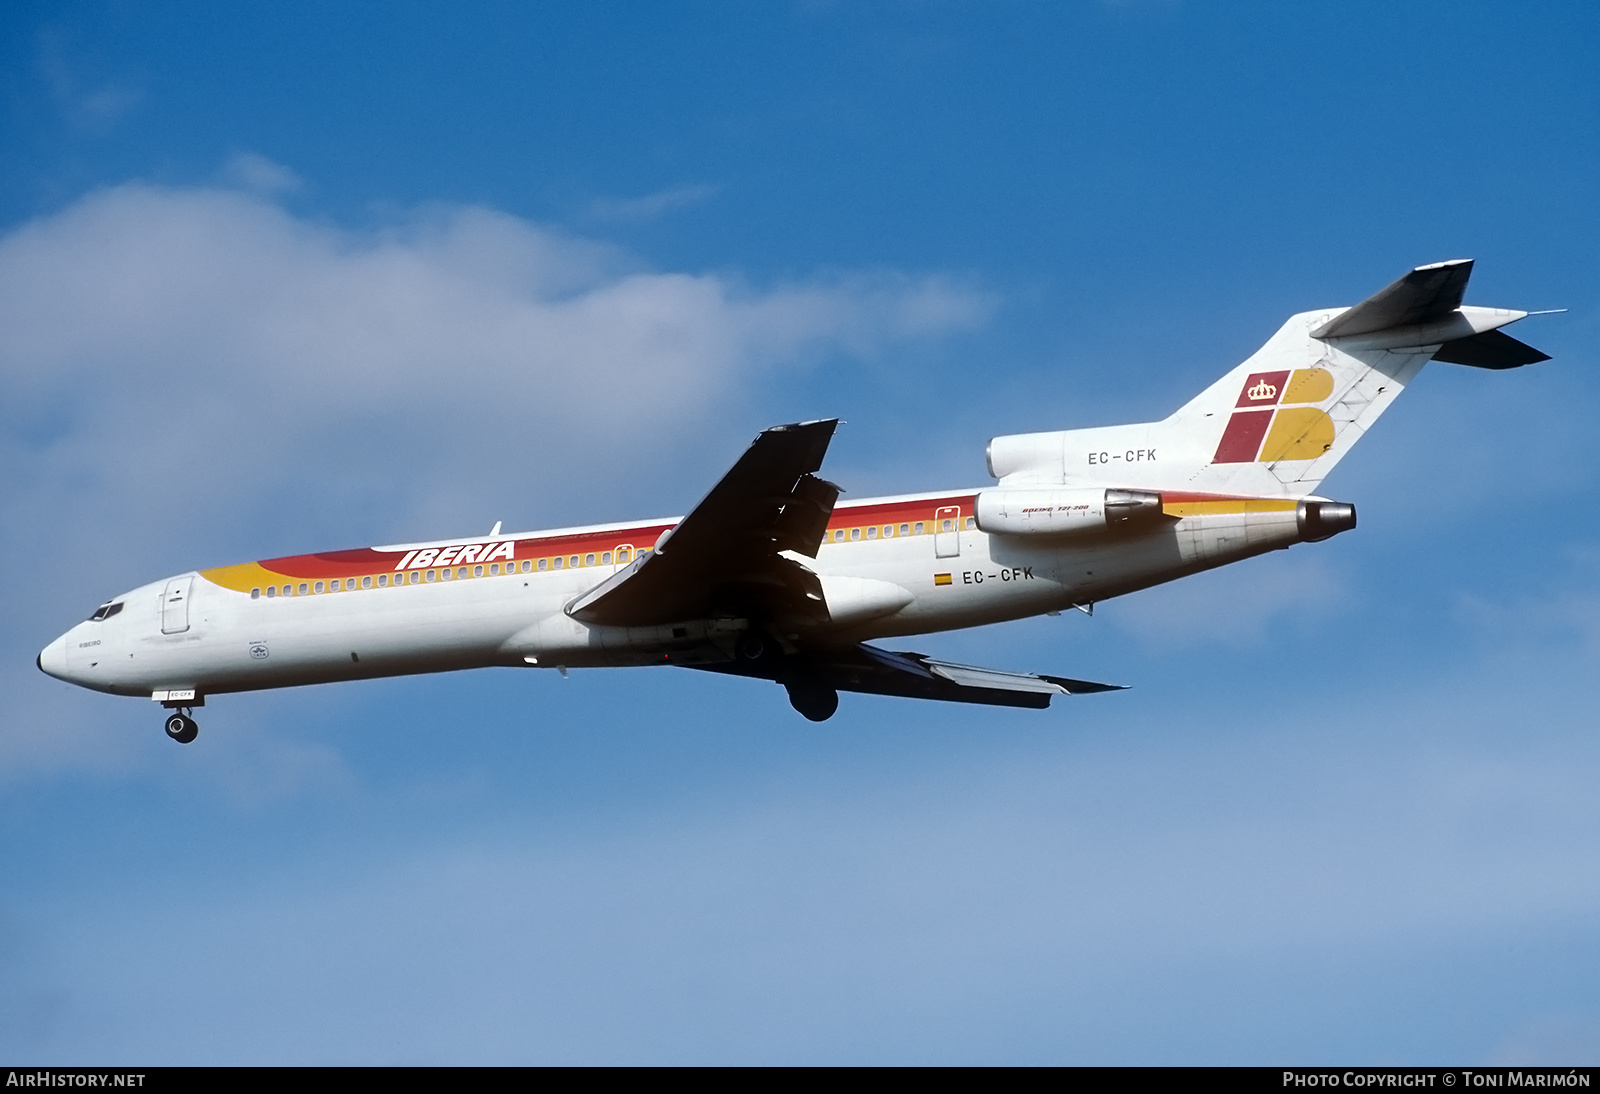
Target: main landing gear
{"x": 761, "y": 655}
{"x": 814, "y": 700}
{"x": 181, "y": 727}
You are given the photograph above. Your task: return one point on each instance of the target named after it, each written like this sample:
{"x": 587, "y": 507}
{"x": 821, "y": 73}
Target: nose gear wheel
{"x": 182, "y": 728}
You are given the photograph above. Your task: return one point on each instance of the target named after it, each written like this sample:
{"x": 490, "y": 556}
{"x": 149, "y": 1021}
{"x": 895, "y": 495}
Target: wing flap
{"x": 804, "y": 520}
{"x": 970, "y": 676}
{"x": 872, "y": 671}
{"x": 723, "y": 558}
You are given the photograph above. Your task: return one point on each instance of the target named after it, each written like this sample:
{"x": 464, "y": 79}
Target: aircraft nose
{"x": 53, "y": 658}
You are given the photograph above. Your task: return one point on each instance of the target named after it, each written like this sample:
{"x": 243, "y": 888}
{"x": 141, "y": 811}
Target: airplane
{"x": 772, "y": 576}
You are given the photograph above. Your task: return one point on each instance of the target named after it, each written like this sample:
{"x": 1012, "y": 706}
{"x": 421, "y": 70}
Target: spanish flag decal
{"x": 941, "y": 579}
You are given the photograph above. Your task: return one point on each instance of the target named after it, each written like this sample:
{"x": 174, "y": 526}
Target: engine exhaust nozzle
{"x": 1320, "y": 520}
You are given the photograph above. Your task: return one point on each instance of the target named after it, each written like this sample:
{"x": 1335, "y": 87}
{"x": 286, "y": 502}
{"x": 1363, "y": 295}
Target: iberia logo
{"x": 1258, "y": 432}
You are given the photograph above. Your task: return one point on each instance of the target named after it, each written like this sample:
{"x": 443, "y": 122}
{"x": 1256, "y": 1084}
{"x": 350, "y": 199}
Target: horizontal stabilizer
{"x": 1491, "y": 349}
{"x": 1427, "y": 294}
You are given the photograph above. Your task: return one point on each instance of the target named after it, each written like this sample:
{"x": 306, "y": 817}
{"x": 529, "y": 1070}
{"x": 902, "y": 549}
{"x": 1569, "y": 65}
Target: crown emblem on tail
{"x": 1262, "y": 390}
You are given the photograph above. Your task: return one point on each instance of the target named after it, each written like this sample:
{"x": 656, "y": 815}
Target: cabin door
{"x": 947, "y": 531}
{"x": 175, "y": 605}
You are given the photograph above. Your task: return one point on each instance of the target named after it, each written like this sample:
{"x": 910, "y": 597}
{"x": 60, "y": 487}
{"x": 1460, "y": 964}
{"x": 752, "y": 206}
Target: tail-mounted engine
{"x": 1047, "y": 511}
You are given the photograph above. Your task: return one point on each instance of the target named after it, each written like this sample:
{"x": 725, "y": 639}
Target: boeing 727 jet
{"x": 771, "y": 576}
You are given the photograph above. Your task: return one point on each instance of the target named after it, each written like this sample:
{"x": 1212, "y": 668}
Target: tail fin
{"x": 1278, "y": 423}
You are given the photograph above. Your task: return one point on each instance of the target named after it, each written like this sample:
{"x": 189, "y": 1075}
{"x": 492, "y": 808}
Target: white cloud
{"x": 188, "y": 313}
{"x": 91, "y": 107}
{"x": 650, "y": 206}
{"x": 256, "y": 173}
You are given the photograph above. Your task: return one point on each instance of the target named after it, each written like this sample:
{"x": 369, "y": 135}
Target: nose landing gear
{"x": 181, "y": 727}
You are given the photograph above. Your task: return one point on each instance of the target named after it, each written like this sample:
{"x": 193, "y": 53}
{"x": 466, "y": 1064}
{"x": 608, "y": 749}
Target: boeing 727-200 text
{"x": 772, "y": 576}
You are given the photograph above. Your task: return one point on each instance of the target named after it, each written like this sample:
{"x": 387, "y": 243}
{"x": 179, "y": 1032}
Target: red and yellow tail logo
{"x": 1295, "y": 433}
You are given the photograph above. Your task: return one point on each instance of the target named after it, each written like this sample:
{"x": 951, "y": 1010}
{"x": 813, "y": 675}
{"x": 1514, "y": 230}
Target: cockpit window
{"x": 105, "y": 611}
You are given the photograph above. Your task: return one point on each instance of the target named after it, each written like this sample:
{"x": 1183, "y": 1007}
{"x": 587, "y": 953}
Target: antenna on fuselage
{"x": 495, "y": 531}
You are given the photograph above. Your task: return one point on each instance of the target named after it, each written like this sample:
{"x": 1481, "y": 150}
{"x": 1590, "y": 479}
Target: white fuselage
{"x": 214, "y": 631}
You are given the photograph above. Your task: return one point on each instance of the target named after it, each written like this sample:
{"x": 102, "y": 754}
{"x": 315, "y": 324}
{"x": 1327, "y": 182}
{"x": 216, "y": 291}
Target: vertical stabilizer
{"x": 1279, "y": 422}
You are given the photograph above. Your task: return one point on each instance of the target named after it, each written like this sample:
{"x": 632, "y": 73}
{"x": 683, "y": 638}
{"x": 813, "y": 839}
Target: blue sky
{"x": 288, "y": 280}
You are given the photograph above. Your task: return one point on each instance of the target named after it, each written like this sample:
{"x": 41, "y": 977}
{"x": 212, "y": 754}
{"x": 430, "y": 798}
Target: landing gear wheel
{"x": 754, "y": 648}
{"x": 816, "y": 701}
{"x": 182, "y": 728}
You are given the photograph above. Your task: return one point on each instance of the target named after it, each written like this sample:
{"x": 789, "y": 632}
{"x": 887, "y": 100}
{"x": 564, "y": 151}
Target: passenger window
{"x": 622, "y": 554}
{"x": 541, "y": 565}
{"x": 302, "y": 588}
{"x": 855, "y": 533}
{"x": 432, "y": 575}
{"x": 288, "y": 590}
{"x": 949, "y": 525}
{"x": 972, "y": 522}
{"x": 572, "y": 563}
{"x": 888, "y": 530}
{"x": 919, "y": 527}
{"x": 838, "y": 535}
{"x": 588, "y": 560}
{"x": 255, "y": 594}
{"x": 383, "y": 579}
{"x": 366, "y": 582}
{"x": 477, "y": 571}
{"x": 272, "y": 591}
{"x": 559, "y": 563}
{"x": 446, "y": 574}
{"x": 905, "y": 529}
{"x": 462, "y": 572}
{"x": 416, "y": 577}
{"x": 872, "y": 533}
{"x": 526, "y": 566}
{"x": 605, "y": 559}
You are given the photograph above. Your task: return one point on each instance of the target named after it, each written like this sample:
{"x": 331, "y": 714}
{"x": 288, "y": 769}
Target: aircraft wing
{"x": 874, "y": 671}
{"x": 723, "y": 558}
